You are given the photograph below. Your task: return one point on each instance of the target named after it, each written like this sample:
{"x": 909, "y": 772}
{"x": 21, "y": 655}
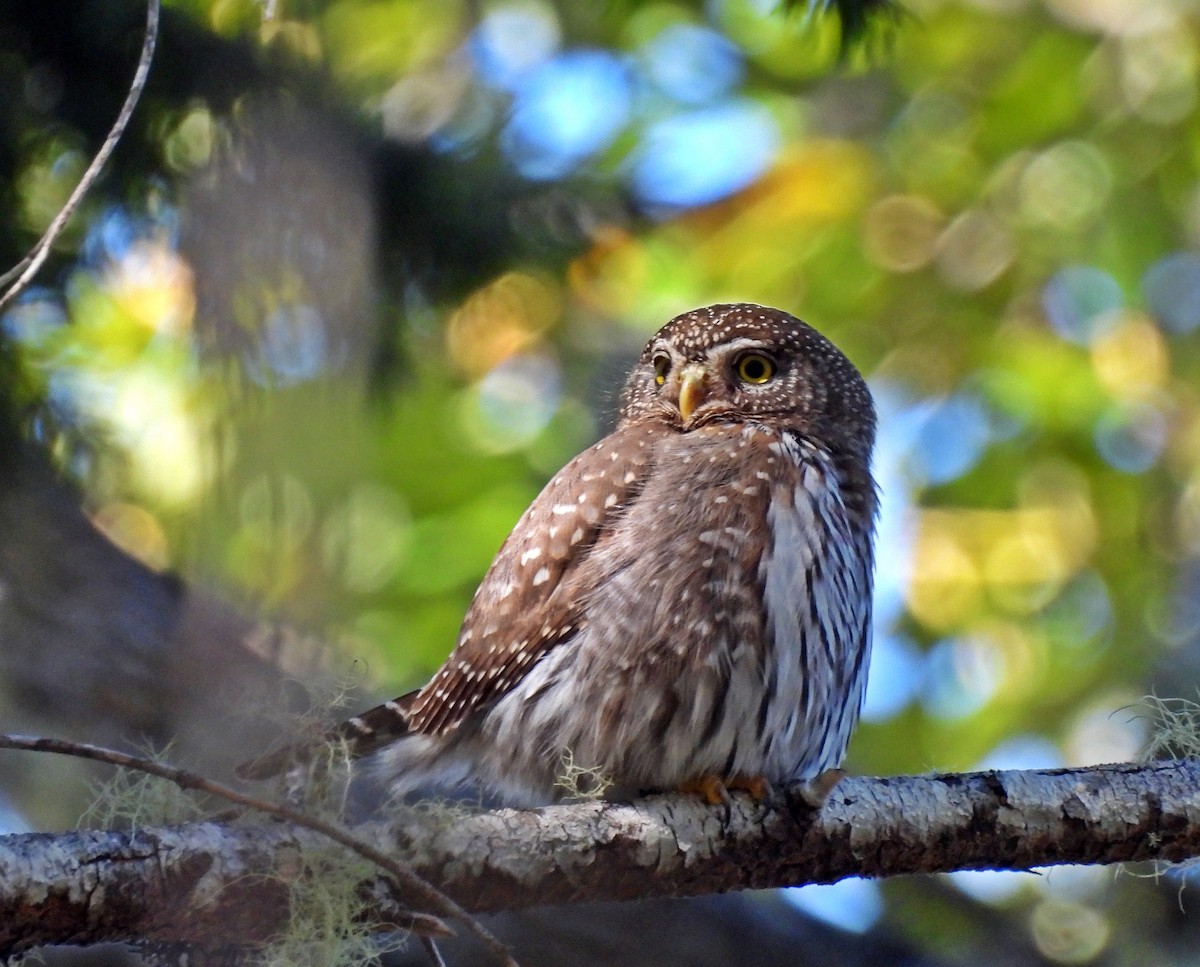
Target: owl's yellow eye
{"x": 755, "y": 368}
{"x": 662, "y": 366}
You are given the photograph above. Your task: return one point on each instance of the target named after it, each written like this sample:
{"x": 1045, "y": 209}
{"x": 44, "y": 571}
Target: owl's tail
{"x": 362, "y": 735}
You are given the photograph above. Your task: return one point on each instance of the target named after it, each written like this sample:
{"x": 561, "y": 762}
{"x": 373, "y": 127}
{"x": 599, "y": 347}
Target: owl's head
{"x": 744, "y": 362}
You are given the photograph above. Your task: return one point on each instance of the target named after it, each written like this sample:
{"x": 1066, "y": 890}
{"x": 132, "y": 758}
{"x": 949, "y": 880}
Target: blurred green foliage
{"x": 995, "y": 212}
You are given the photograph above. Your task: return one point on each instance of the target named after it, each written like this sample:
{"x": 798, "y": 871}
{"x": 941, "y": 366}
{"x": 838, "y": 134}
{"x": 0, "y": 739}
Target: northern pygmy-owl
{"x": 687, "y": 604}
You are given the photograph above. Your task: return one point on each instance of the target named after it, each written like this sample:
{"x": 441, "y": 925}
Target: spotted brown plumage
{"x": 686, "y": 602}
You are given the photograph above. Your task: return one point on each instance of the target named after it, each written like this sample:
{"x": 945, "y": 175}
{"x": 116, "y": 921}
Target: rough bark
{"x": 214, "y": 883}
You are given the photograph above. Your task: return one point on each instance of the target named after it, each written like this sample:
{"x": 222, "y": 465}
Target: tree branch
{"x": 214, "y": 884}
{"x": 412, "y": 886}
{"x": 675, "y": 846}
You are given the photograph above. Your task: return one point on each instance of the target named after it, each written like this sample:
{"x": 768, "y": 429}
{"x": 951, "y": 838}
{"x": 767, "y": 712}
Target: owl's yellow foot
{"x": 816, "y": 791}
{"x": 710, "y": 788}
{"x": 757, "y": 786}
{"x": 715, "y": 791}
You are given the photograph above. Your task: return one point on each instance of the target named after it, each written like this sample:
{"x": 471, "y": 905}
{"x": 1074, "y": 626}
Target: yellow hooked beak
{"x": 693, "y": 387}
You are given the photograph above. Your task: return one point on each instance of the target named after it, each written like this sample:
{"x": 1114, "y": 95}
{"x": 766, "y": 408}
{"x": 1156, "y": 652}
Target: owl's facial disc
{"x": 693, "y": 388}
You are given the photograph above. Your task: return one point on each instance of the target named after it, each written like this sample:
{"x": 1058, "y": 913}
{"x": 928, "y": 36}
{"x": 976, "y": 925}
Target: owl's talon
{"x": 815, "y": 792}
{"x": 712, "y": 789}
{"x": 716, "y": 791}
{"x": 758, "y": 787}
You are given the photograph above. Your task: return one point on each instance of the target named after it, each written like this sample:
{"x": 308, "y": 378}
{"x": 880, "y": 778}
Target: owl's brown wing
{"x": 523, "y": 608}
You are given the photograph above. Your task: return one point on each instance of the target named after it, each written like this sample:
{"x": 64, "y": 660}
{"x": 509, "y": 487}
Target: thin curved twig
{"x": 24, "y": 271}
{"x": 431, "y": 951}
{"x": 417, "y": 890}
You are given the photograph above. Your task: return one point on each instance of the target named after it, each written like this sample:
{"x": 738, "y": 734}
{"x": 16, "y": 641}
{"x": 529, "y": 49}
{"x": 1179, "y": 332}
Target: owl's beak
{"x": 693, "y": 387}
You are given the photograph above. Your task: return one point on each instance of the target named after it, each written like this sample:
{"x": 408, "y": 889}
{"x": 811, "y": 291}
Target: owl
{"x": 687, "y": 603}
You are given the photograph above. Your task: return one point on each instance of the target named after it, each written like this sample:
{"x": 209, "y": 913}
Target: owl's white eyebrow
{"x": 744, "y": 343}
